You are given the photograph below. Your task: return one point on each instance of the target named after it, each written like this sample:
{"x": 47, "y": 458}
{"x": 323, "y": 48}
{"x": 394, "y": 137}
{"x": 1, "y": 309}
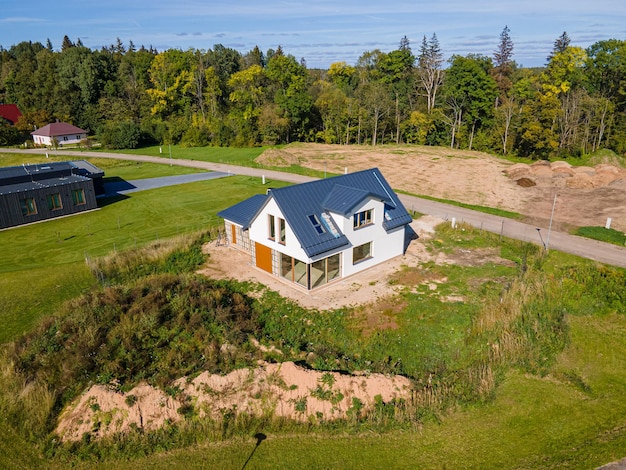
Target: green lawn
{"x": 45, "y": 264}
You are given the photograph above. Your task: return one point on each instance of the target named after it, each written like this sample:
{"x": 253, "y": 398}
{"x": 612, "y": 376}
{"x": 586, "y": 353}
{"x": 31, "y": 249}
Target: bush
{"x": 121, "y": 135}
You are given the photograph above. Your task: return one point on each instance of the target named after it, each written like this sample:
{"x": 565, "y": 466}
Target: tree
{"x": 560, "y": 44}
{"x": 503, "y": 64}
{"x": 66, "y": 44}
{"x": 470, "y": 92}
{"x": 429, "y": 69}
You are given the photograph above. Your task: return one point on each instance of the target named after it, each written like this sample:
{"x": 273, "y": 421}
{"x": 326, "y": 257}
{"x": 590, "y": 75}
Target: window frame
{"x": 28, "y": 209}
{"x": 362, "y": 219}
{"x": 55, "y": 202}
{"x": 282, "y": 231}
{"x": 271, "y": 227}
{"x": 362, "y": 257}
{"x": 78, "y": 197}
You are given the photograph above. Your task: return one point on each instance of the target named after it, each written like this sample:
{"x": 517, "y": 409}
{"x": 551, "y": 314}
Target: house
{"x": 60, "y": 133}
{"x": 31, "y": 193}
{"x": 10, "y": 113}
{"x": 313, "y": 233}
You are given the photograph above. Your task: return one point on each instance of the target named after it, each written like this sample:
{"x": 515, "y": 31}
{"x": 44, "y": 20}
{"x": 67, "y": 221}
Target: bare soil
{"x": 586, "y": 196}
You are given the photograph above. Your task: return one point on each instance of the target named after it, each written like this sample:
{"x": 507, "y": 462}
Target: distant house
{"x": 31, "y": 193}
{"x": 313, "y": 233}
{"x": 62, "y": 132}
{"x": 10, "y": 113}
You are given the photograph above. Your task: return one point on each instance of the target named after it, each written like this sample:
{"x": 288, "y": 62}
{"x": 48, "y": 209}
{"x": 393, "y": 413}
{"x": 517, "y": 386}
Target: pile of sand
{"x": 283, "y": 390}
{"x": 563, "y": 175}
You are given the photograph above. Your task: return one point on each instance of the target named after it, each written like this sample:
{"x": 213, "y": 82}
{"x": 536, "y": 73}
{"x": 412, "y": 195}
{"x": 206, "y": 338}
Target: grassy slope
{"x": 532, "y": 423}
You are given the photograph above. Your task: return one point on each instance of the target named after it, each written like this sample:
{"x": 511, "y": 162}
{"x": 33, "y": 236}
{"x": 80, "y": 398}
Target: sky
{"x": 319, "y": 31}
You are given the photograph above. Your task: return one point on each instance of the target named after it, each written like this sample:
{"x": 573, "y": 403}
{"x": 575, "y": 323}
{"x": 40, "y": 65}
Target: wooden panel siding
{"x": 11, "y": 204}
{"x": 263, "y": 257}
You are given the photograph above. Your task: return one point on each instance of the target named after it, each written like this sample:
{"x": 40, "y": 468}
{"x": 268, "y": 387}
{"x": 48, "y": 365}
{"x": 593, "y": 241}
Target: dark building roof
{"x": 306, "y": 207}
{"x": 10, "y": 112}
{"x": 244, "y": 212}
{"x": 26, "y": 177}
{"x": 58, "y": 128}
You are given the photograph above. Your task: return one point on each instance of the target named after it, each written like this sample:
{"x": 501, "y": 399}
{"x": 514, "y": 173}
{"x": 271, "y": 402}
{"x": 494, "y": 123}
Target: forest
{"x": 127, "y": 96}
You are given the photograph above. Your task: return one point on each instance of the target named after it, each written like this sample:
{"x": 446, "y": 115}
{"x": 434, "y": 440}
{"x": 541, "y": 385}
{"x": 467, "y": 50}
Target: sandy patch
{"x": 284, "y": 390}
{"x": 586, "y": 195}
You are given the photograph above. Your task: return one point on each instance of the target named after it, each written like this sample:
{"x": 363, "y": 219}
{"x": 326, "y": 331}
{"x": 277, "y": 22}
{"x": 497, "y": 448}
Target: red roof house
{"x": 10, "y": 112}
{"x": 62, "y": 132}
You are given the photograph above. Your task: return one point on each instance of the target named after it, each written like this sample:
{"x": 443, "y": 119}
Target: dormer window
{"x": 361, "y": 219}
{"x": 319, "y": 228}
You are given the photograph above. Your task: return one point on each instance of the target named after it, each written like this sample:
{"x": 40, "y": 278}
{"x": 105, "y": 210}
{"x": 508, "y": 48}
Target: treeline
{"x": 128, "y": 96}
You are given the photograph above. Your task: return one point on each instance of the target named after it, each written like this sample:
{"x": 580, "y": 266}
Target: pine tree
{"x": 503, "y": 64}
{"x": 67, "y": 43}
{"x": 560, "y": 44}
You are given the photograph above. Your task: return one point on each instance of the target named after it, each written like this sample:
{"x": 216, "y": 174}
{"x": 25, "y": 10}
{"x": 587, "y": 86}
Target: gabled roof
{"x": 304, "y": 204}
{"x": 58, "y": 128}
{"x": 10, "y": 112}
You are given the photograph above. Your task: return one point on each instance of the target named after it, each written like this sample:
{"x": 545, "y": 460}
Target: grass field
{"x": 571, "y": 415}
{"x": 53, "y": 252}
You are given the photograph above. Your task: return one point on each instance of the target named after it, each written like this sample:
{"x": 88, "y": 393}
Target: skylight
{"x": 316, "y": 224}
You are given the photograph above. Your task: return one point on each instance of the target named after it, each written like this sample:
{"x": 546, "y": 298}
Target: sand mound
{"x": 285, "y": 390}
{"x": 276, "y": 157}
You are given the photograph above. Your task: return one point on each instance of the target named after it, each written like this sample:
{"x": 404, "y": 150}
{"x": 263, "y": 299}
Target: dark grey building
{"x": 31, "y": 193}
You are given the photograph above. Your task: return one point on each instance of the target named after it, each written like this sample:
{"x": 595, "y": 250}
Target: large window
{"x": 78, "y": 196}
{"x": 271, "y": 227}
{"x": 54, "y": 202}
{"x": 282, "y": 234}
{"x": 325, "y": 270}
{"x": 293, "y": 270}
{"x": 361, "y": 252}
{"x": 362, "y": 219}
{"x": 28, "y": 206}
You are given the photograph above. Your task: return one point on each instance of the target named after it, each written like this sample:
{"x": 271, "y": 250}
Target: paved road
{"x": 125, "y": 187}
{"x": 560, "y": 241}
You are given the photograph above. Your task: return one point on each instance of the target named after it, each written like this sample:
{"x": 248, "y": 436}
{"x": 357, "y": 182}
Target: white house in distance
{"x": 64, "y": 133}
{"x": 313, "y": 233}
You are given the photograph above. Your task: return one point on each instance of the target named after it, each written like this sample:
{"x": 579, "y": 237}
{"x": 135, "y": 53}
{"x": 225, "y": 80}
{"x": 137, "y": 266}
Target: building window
{"x": 54, "y": 202}
{"x": 65, "y": 138}
{"x": 316, "y": 224}
{"x": 282, "y": 234}
{"x": 28, "y": 206}
{"x": 325, "y": 270}
{"x": 361, "y": 252}
{"x": 78, "y": 196}
{"x": 362, "y": 219}
{"x": 271, "y": 227}
{"x": 294, "y": 270}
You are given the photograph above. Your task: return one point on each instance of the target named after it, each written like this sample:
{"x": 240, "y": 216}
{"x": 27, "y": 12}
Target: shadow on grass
{"x": 260, "y": 437}
{"x": 107, "y": 200}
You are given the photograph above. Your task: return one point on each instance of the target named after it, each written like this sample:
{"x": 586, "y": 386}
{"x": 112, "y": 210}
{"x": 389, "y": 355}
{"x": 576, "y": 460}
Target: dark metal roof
{"x": 297, "y": 203}
{"x": 83, "y": 167}
{"x": 343, "y": 199}
{"x": 244, "y": 212}
{"x": 12, "y": 175}
{"x": 41, "y": 183}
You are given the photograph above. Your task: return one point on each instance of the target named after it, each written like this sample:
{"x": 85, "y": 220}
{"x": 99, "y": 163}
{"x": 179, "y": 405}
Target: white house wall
{"x": 385, "y": 245}
{"x": 259, "y": 232}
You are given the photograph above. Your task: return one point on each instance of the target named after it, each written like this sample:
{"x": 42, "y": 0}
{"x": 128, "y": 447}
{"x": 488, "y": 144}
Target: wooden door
{"x": 233, "y": 230}
{"x": 263, "y": 257}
